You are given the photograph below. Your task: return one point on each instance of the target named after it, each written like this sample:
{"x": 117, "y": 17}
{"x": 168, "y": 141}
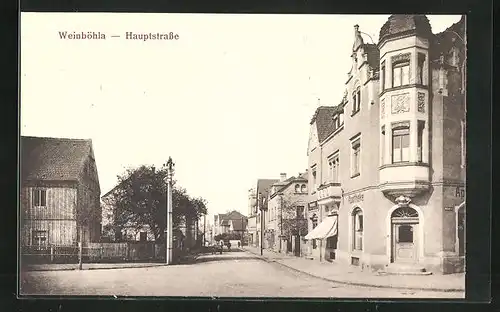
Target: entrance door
{"x": 404, "y": 221}
{"x": 297, "y": 246}
{"x": 404, "y": 242}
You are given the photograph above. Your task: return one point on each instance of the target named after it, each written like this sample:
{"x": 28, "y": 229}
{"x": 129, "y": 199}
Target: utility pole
{"x": 260, "y": 204}
{"x": 281, "y": 220}
{"x": 168, "y": 228}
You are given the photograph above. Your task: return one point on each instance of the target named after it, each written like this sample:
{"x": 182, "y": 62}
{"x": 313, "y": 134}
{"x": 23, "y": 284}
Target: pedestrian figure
{"x": 228, "y": 246}
{"x": 221, "y": 246}
{"x": 239, "y": 244}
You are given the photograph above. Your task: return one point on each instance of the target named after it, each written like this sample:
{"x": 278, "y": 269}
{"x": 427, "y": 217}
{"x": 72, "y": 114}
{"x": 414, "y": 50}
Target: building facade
{"x": 59, "y": 192}
{"x": 286, "y": 215}
{"x": 387, "y": 165}
{"x": 231, "y": 222}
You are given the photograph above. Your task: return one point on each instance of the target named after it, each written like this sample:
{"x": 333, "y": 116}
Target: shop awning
{"x": 325, "y": 229}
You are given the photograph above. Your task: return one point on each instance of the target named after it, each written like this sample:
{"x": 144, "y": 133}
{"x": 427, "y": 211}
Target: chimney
{"x": 282, "y": 177}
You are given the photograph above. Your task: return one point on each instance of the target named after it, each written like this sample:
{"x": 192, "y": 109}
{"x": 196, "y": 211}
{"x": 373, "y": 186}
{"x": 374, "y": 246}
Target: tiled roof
{"x": 404, "y": 23}
{"x": 324, "y": 120}
{"x": 373, "y": 55}
{"x": 55, "y": 159}
{"x": 239, "y": 224}
{"x": 263, "y": 186}
{"x": 443, "y": 41}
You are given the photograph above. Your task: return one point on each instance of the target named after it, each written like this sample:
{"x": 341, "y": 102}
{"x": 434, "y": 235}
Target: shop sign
{"x": 355, "y": 198}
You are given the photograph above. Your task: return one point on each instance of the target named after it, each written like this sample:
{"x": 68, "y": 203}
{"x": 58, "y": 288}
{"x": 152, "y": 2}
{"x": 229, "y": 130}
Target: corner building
{"x": 387, "y": 164}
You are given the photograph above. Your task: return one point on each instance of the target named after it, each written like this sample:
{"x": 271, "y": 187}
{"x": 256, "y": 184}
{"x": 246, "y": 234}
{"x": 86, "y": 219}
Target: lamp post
{"x": 168, "y": 229}
{"x": 260, "y": 203}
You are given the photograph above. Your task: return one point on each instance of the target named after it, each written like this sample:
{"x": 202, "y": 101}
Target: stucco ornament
{"x": 402, "y": 200}
{"x": 421, "y": 102}
{"x": 400, "y": 103}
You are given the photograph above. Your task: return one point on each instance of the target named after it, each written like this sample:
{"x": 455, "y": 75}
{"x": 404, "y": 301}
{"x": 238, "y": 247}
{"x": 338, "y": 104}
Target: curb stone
{"x": 358, "y": 283}
{"x": 96, "y": 268}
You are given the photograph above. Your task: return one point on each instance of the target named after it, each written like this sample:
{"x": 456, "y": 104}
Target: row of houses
{"x": 384, "y": 187}
{"x": 60, "y": 198}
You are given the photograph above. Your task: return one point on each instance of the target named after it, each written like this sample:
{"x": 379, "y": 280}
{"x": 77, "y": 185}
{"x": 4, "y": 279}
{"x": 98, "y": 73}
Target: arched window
{"x": 404, "y": 212}
{"x": 303, "y": 188}
{"x": 297, "y": 188}
{"x": 357, "y": 226}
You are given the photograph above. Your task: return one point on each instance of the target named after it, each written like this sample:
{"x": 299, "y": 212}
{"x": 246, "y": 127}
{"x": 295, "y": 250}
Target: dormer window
{"x": 297, "y": 188}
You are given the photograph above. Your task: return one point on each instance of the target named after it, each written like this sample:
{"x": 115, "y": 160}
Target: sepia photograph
{"x": 242, "y": 155}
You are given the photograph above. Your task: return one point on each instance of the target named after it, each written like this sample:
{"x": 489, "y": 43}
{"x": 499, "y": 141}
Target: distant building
{"x": 387, "y": 164}
{"x": 286, "y": 224}
{"x": 258, "y": 199}
{"x": 59, "y": 192}
{"x": 231, "y": 222}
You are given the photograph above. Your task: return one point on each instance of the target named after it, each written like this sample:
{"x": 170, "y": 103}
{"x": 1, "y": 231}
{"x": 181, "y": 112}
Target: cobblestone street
{"x": 235, "y": 273}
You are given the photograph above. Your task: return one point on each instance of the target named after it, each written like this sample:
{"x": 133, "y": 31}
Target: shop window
{"x": 401, "y": 145}
{"x": 357, "y": 225}
{"x": 331, "y": 242}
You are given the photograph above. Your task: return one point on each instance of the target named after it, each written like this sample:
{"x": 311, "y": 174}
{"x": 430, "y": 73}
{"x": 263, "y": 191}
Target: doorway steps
{"x": 405, "y": 269}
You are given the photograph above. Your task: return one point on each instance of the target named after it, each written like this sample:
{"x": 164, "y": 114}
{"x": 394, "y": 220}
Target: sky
{"x": 230, "y": 101}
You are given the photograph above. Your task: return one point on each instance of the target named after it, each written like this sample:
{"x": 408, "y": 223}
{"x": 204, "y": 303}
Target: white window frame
{"x": 39, "y": 191}
{"x": 356, "y": 232}
{"x": 355, "y": 144}
{"x": 397, "y": 71}
{"x": 400, "y": 150}
{"x": 334, "y": 163}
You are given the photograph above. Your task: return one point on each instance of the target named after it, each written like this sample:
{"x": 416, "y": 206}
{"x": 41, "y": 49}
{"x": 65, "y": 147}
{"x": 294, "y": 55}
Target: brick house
{"x": 387, "y": 164}
{"x": 59, "y": 192}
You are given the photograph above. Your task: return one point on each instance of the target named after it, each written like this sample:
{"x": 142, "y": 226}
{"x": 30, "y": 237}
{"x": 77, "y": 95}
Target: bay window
{"x": 401, "y": 145}
{"x": 382, "y": 76}
{"x": 420, "y": 134}
{"x": 400, "y": 74}
{"x": 420, "y": 68}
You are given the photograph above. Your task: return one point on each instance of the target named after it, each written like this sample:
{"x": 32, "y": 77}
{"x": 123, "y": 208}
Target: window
{"x": 400, "y": 74}
{"x": 356, "y": 101}
{"x": 297, "y": 188}
{"x": 341, "y": 118}
{"x": 382, "y": 76}
{"x": 420, "y": 140}
{"x": 333, "y": 164}
{"x": 382, "y": 147}
{"x": 357, "y": 221}
{"x": 400, "y": 145}
{"x": 314, "y": 225}
{"x": 39, "y": 238}
{"x": 356, "y": 154}
{"x": 39, "y": 198}
{"x": 420, "y": 68}
{"x": 463, "y": 138}
{"x": 303, "y": 188}
{"x": 331, "y": 242}
{"x": 300, "y": 212}
{"x": 405, "y": 234}
{"x": 143, "y": 236}
{"x": 314, "y": 179}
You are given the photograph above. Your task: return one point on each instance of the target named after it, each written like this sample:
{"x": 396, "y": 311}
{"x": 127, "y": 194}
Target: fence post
{"x": 80, "y": 251}
{"x": 51, "y": 253}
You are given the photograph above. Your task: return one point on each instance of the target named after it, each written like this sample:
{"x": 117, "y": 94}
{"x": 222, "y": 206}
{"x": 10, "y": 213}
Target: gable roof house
{"x": 59, "y": 191}
{"x": 224, "y": 221}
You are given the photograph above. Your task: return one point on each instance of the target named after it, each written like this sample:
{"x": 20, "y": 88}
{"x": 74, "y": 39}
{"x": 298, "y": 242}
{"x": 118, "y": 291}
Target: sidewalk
{"x": 87, "y": 266}
{"x": 354, "y": 276}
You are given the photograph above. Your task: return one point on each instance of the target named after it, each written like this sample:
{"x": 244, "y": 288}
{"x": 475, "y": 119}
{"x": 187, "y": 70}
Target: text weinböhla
{"x": 151, "y": 36}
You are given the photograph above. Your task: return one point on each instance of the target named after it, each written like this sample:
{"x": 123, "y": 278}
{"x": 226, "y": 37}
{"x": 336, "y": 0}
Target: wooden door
{"x": 404, "y": 242}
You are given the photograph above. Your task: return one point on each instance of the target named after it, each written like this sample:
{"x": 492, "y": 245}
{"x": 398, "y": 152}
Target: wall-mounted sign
{"x": 448, "y": 208}
{"x": 460, "y": 192}
{"x": 313, "y": 206}
{"x": 355, "y": 198}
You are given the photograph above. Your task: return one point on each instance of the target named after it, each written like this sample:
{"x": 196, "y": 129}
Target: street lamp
{"x": 168, "y": 229}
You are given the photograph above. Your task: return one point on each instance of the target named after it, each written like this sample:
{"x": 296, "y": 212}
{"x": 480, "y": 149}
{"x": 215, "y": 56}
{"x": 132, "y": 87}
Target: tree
{"x": 291, "y": 220}
{"x": 140, "y": 199}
